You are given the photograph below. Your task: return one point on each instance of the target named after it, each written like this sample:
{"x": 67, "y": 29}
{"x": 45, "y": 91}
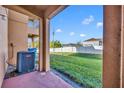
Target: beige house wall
{"x": 18, "y": 34}
{"x": 3, "y": 42}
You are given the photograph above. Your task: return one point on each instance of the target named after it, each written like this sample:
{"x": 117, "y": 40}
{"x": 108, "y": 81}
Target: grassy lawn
{"x": 85, "y": 69}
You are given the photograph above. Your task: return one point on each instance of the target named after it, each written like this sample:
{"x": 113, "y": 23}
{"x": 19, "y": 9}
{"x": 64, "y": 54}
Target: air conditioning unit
{"x": 25, "y": 61}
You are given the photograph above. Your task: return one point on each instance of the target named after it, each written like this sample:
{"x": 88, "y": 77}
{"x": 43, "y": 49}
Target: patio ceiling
{"x": 36, "y": 11}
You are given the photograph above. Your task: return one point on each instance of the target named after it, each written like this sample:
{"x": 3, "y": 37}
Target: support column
{"x": 46, "y": 55}
{"x": 41, "y": 45}
{"x": 112, "y": 45}
{"x": 44, "y": 63}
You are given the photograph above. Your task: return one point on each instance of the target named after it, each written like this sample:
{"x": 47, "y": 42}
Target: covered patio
{"x": 113, "y": 67}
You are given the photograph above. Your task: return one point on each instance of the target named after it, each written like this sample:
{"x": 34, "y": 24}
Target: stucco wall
{"x": 18, "y": 34}
{"x": 3, "y": 42}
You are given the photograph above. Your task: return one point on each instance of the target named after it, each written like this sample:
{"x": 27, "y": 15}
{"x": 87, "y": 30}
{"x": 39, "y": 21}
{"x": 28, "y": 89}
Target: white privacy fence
{"x": 63, "y": 49}
{"x": 81, "y": 49}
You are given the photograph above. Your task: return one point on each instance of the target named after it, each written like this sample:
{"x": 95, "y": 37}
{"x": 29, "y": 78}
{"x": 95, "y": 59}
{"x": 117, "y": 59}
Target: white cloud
{"x": 58, "y": 30}
{"x": 88, "y": 20}
{"x": 72, "y": 33}
{"x": 82, "y": 35}
{"x": 99, "y": 24}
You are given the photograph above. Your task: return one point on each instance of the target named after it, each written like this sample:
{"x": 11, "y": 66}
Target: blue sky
{"x": 77, "y": 23}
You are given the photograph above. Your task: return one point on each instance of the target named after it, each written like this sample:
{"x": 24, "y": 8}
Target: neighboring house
{"x": 93, "y": 42}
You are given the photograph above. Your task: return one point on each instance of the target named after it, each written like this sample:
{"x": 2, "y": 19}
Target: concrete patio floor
{"x": 36, "y": 80}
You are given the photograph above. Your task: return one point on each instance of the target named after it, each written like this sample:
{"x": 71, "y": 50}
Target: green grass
{"x": 85, "y": 69}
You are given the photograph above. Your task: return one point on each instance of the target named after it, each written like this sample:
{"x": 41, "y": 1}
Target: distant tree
{"x": 55, "y": 44}
{"x": 79, "y": 43}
